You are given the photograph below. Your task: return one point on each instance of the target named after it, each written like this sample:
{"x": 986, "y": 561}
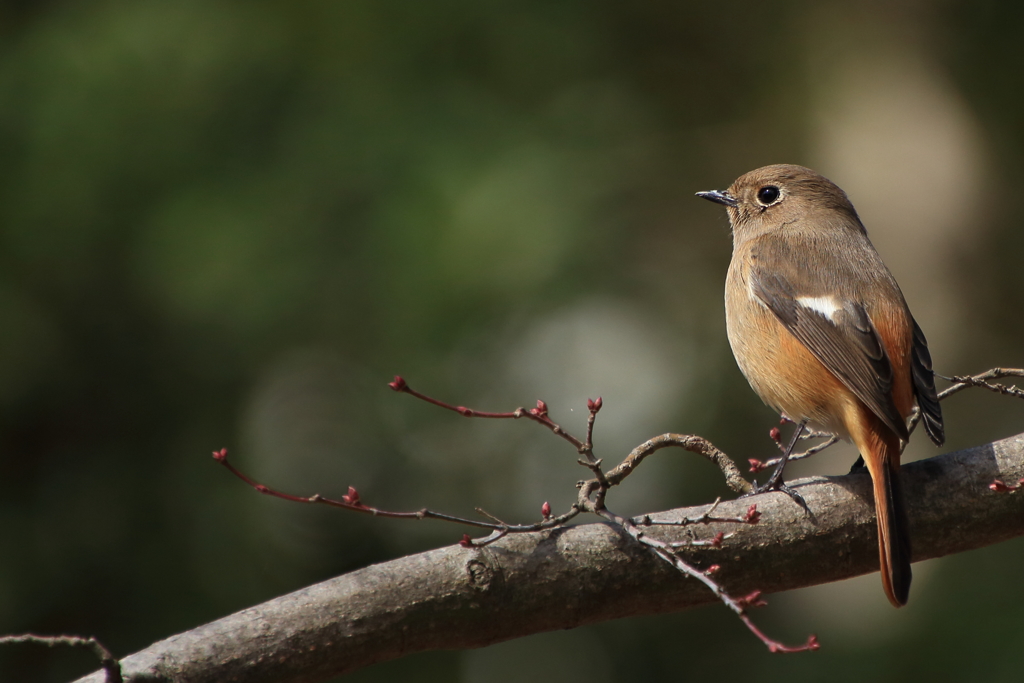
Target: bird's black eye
{"x": 767, "y": 195}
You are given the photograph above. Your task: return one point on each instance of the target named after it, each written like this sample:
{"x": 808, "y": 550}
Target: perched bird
{"x": 822, "y": 332}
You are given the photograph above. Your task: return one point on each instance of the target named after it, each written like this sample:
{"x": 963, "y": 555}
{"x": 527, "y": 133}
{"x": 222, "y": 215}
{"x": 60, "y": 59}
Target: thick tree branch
{"x": 456, "y": 597}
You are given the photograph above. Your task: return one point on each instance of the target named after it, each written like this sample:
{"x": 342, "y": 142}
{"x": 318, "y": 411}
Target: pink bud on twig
{"x": 755, "y": 465}
{"x": 466, "y": 541}
{"x": 545, "y": 510}
{"x": 352, "y": 497}
{"x": 752, "y": 600}
{"x": 713, "y": 569}
{"x": 594, "y": 406}
{"x": 776, "y": 434}
{"x": 221, "y": 455}
{"x": 716, "y": 542}
{"x": 752, "y": 516}
{"x": 399, "y": 384}
{"x": 541, "y": 410}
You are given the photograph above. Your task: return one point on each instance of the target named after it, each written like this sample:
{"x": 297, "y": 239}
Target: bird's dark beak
{"x": 719, "y": 197}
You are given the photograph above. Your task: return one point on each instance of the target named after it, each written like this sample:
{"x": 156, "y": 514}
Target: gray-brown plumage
{"x": 822, "y": 332}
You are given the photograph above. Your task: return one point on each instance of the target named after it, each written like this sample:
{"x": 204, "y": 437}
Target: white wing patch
{"x": 825, "y": 305}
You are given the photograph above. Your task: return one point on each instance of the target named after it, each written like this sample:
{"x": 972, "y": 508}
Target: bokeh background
{"x": 230, "y": 223}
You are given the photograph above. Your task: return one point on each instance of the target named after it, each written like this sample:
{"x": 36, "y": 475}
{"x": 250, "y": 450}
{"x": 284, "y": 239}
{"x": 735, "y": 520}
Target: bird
{"x": 820, "y": 329}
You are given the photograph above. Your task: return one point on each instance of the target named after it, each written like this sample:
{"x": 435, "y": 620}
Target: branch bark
{"x": 455, "y": 598}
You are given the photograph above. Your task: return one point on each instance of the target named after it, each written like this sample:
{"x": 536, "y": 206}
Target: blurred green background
{"x": 230, "y": 223}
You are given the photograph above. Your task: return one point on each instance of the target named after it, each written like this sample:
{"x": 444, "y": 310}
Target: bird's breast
{"x": 779, "y": 367}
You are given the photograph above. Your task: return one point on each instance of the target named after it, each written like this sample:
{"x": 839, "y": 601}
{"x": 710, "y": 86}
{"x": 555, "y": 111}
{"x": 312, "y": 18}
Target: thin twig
{"x": 668, "y": 553}
{"x": 352, "y": 501}
{"x": 758, "y": 465}
{"x": 592, "y": 407}
{"x": 752, "y": 516}
{"x": 961, "y": 382}
{"x": 538, "y": 414}
{"x": 688, "y": 442}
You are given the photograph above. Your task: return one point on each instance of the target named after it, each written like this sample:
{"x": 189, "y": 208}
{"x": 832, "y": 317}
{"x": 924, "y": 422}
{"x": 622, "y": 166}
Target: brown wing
{"x": 848, "y": 346}
{"x": 924, "y": 388}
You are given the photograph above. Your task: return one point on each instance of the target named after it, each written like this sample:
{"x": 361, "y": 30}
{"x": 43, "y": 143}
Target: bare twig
{"x": 688, "y": 442}
{"x": 961, "y": 382}
{"x": 538, "y": 414}
{"x": 668, "y": 553}
{"x": 107, "y": 660}
{"x": 352, "y": 501}
{"x": 592, "y": 407}
{"x": 752, "y": 516}
{"x": 758, "y": 465}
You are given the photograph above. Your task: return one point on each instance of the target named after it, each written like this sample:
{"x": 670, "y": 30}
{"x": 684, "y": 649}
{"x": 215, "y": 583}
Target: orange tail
{"x": 883, "y": 461}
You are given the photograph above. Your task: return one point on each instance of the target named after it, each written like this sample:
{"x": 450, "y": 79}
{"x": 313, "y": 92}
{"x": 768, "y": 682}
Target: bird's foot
{"x": 781, "y": 487}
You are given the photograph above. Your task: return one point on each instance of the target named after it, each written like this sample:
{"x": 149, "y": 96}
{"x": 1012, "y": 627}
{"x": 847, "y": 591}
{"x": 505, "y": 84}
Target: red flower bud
{"x": 541, "y": 410}
{"x": 545, "y": 510}
{"x": 352, "y": 497}
{"x": 399, "y": 384}
{"x": 752, "y": 516}
{"x": 752, "y": 600}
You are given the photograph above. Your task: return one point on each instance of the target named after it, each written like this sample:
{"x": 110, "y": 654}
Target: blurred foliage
{"x": 229, "y": 223}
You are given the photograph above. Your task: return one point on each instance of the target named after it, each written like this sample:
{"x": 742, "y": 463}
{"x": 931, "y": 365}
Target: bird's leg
{"x": 775, "y": 482}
